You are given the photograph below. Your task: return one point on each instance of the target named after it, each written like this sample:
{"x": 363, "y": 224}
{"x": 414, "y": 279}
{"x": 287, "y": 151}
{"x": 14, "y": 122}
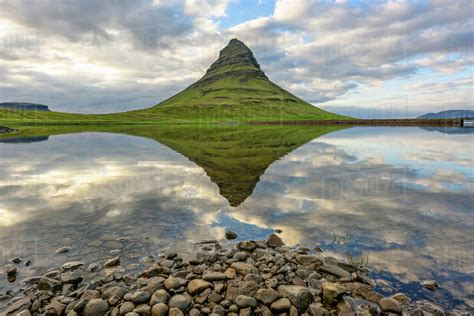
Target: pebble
{"x": 159, "y": 309}
{"x": 388, "y": 304}
{"x": 230, "y": 235}
{"x": 112, "y": 262}
{"x": 274, "y": 241}
{"x": 244, "y": 301}
{"x": 62, "y": 250}
{"x": 96, "y": 307}
{"x": 431, "y": 285}
{"x": 281, "y": 306}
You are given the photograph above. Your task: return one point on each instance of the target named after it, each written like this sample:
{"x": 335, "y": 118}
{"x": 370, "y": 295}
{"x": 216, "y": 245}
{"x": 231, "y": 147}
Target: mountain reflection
{"x": 234, "y": 157}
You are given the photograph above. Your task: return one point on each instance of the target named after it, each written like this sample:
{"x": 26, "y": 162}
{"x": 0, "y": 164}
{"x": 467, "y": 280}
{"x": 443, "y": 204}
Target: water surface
{"x": 401, "y": 197}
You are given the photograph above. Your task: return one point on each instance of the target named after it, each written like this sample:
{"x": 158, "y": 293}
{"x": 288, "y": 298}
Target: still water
{"x": 400, "y": 197}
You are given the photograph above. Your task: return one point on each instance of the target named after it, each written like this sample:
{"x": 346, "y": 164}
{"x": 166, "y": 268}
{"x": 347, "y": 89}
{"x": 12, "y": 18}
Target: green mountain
{"x": 234, "y": 157}
{"x": 233, "y": 89}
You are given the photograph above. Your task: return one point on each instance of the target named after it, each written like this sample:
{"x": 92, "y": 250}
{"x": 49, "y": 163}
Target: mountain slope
{"x": 233, "y": 89}
{"x": 23, "y": 106}
{"x": 450, "y": 114}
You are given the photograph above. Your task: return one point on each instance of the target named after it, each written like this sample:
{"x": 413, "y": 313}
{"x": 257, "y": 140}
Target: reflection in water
{"x": 402, "y": 196}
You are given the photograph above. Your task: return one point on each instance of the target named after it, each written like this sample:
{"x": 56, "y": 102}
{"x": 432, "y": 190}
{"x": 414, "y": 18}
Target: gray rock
{"x": 182, "y": 302}
{"x": 246, "y": 245}
{"x": 73, "y": 265}
{"x": 112, "y": 262}
{"x": 334, "y": 270}
{"x": 18, "y": 306}
{"x": 230, "y": 235}
{"x": 244, "y": 301}
{"x": 172, "y": 283}
{"x": 142, "y": 309}
{"x": 281, "y": 306}
{"x": 140, "y": 297}
{"x": 70, "y": 278}
{"x": 308, "y": 260}
{"x": 274, "y": 241}
{"x": 218, "y": 310}
{"x": 332, "y": 292}
{"x": 126, "y": 307}
{"x": 213, "y": 276}
{"x": 96, "y": 307}
{"x": 431, "y": 285}
{"x": 243, "y": 268}
{"x": 391, "y": 305}
{"x": 93, "y": 267}
{"x": 267, "y": 296}
{"x": 62, "y": 250}
{"x": 159, "y": 309}
{"x": 160, "y": 296}
{"x": 197, "y": 286}
{"x": 175, "y": 312}
{"x": 300, "y": 296}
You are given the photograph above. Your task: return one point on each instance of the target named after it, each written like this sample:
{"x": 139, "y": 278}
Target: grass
{"x": 234, "y": 157}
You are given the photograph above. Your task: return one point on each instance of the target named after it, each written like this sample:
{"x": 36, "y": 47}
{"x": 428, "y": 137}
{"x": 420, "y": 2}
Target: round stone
{"x": 159, "y": 309}
{"x": 388, "y": 304}
{"x": 281, "y": 306}
{"x": 179, "y": 301}
{"x": 96, "y": 307}
{"x": 197, "y": 286}
{"x": 244, "y": 301}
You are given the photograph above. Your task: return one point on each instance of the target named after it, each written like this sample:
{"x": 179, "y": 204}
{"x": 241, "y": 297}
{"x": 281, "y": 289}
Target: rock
{"x": 194, "y": 312}
{"x": 230, "y": 235}
{"x": 267, "y": 296}
{"x": 172, "y": 283}
{"x": 274, "y": 241}
{"x": 334, "y": 270}
{"x": 244, "y": 301}
{"x": 24, "y": 313}
{"x": 281, "y": 306}
{"x": 241, "y": 255}
{"x": 182, "y": 302}
{"x": 96, "y": 307}
{"x": 160, "y": 296}
{"x": 332, "y": 292}
{"x": 142, "y": 309}
{"x": 230, "y": 273}
{"x": 236, "y": 288}
{"x": 175, "y": 312}
{"x": 93, "y": 267}
{"x": 62, "y": 250}
{"x": 391, "y": 305}
{"x": 70, "y": 278}
{"x": 73, "y": 265}
{"x": 18, "y": 306}
{"x": 16, "y": 260}
{"x": 113, "y": 262}
{"x": 300, "y": 296}
{"x": 401, "y": 298}
{"x": 126, "y": 307}
{"x": 140, "y": 297}
{"x": 308, "y": 260}
{"x": 218, "y": 310}
{"x": 431, "y": 285}
{"x": 242, "y": 268}
{"x": 197, "y": 286}
{"x": 246, "y": 245}
{"x": 213, "y": 276}
{"x": 159, "y": 309}
{"x": 12, "y": 271}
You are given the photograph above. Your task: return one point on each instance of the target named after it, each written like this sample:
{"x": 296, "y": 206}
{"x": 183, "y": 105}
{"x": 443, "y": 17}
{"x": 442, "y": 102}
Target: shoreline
{"x": 252, "y": 278}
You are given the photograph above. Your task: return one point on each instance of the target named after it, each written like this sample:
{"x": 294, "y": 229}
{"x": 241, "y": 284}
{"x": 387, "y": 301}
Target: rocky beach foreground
{"x": 252, "y": 278}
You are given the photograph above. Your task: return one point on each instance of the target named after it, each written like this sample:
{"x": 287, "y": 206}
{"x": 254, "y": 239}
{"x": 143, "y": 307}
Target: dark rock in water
{"x": 4, "y": 129}
{"x": 430, "y": 284}
{"x": 112, "y": 262}
{"x": 23, "y": 106}
{"x": 230, "y": 235}
{"x": 63, "y": 250}
{"x": 16, "y": 260}
{"x": 274, "y": 241}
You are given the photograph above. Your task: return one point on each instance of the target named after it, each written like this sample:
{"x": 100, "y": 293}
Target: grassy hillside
{"x": 234, "y": 89}
{"x": 234, "y": 157}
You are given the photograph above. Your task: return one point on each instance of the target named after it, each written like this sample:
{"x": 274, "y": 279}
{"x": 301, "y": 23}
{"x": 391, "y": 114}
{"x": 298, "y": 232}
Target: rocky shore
{"x": 253, "y": 278}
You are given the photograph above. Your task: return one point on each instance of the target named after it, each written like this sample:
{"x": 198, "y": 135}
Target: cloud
{"x": 91, "y": 56}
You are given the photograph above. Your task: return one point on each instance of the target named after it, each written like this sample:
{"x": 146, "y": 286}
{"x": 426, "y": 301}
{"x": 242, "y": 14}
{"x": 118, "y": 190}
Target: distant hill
{"x": 23, "y": 106}
{"x": 450, "y": 114}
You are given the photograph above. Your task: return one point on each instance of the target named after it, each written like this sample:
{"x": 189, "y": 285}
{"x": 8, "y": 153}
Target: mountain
{"x": 23, "y": 106}
{"x": 450, "y": 114}
{"x": 233, "y": 89}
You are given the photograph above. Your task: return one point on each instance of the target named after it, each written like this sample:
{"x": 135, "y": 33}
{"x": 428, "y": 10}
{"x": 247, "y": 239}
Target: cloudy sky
{"x": 365, "y": 58}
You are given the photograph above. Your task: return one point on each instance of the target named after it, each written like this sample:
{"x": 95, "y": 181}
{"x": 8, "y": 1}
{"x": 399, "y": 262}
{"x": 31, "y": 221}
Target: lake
{"x": 400, "y": 198}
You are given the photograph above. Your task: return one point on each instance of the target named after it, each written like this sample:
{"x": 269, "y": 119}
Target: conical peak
{"x": 236, "y": 54}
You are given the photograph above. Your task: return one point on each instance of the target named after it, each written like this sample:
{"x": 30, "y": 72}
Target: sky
{"x": 369, "y": 59}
